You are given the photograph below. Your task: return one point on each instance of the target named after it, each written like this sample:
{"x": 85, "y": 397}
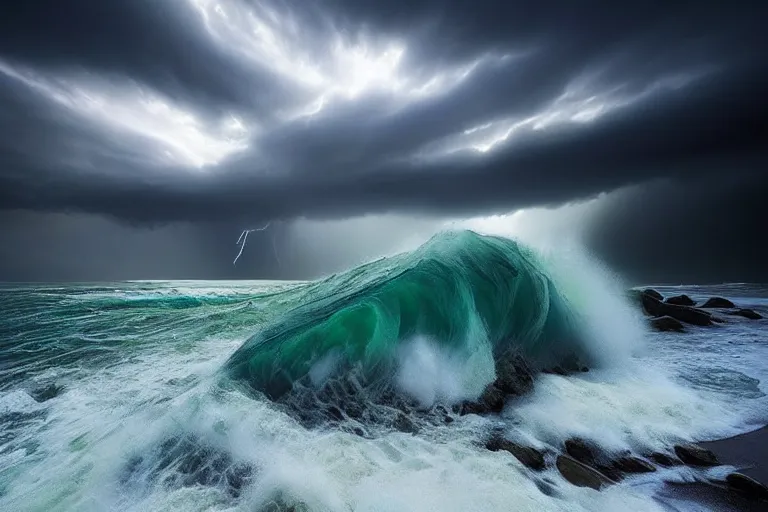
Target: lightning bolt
{"x": 244, "y": 238}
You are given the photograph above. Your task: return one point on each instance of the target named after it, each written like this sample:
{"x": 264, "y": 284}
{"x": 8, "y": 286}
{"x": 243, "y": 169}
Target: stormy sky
{"x": 138, "y": 138}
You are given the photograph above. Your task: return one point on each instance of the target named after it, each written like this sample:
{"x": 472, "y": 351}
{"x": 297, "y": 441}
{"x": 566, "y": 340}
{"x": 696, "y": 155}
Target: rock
{"x": 580, "y": 474}
{"x": 530, "y": 457}
{"x": 666, "y": 324}
{"x": 653, "y": 293}
{"x": 694, "y": 455}
{"x": 404, "y": 424}
{"x": 685, "y": 314}
{"x": 747, "y": 313}
{"x": 718, "y": 302}
{"x": 747, "y": 485}
{"x": 43, "y": 394}
{"x": 663, "y": 459}
{"x": 580, "y": 450}
{"x": 681, "y": 300}
{"x": 335, "y": 413}
{"x": 631, "y": 464}
{"x": 492, "y": 400}
{"x": 513, "y": 375}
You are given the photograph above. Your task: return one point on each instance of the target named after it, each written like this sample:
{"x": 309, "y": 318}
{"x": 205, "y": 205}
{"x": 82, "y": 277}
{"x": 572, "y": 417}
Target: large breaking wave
{"x": 473, "y": 296}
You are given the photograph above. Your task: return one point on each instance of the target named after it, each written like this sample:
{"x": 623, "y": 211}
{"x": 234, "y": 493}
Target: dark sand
{"x": 707, "y": 497}
{"x": 747, "y": 452}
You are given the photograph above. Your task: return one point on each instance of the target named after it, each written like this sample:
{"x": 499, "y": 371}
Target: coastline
{"x": 746, "y": 452}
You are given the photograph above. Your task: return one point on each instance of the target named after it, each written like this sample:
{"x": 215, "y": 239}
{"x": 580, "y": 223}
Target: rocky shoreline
{"x": 672, "y": 314}
{"x": 585, "y": 464}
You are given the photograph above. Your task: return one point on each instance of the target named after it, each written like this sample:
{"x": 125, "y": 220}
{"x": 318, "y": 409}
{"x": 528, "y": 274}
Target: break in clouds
{"x": 214, "y": 116}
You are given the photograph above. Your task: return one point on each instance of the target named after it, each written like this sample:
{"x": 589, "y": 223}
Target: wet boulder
{"x": 653, "y": 293}
{"x": 747, "y": 486}
{"x": 513, "y": 375}
{"x": 530, "y": 457}
{"x": 718, "y": 302}
{"x": 681, "y": 300}
{"x": 492, "y": 400}
{"x": 580, "y": 474}
{"x": 580, "y": 450}
{"x": 630, "y": 464}
{"x": 666, "y": 324}
{"x": 694, "y": 455}
{"x": 747, "y": 313}
{"x": 664, "y": 459}
{"x": 45, "y": 393}
{"x": 684, "y": 314}
{"x": 404, "y": 424}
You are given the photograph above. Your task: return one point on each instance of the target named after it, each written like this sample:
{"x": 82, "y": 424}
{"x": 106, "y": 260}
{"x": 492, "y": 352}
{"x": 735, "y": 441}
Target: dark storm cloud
{"x": 357, "y": 156}
{"x": 686, "y": 231}
{"x": 237, "y": 112}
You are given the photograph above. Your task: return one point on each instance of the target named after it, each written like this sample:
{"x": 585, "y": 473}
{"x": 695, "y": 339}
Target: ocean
{"x": 182, "y": 395}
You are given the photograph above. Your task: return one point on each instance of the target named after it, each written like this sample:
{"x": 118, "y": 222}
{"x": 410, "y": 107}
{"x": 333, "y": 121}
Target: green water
{"x": 464, "y": 291}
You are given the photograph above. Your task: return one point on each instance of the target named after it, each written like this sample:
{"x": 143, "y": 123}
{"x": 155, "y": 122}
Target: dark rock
{"x": 718, "y": 302}
{"x": 666, "y": 324}
{"x": 492, "y": 400}
{"x": 747, "y": 485}
{"x": 747, "y": 313}
{"x": 557, "y": 370}
{"x": 681, "y": 300}
{"x": 609, "y": 471}
{"x": 513, "y": 375}
{"x": 685, "y": 314}
{"x": 631, "y": 464}
{"x": 530, "y": 457}
{"x": 584, "y": 369}
{"x": 43, "y": 394}
{"x": 580, "y": 474}
{"x": 335, "y": 413}
{"x": 694, "y": 455}
{"x": 404, "y": 424}
{"x": 653, "y": 293}
{"x": 580, "y": 450}
{"x": 663, "y": 459}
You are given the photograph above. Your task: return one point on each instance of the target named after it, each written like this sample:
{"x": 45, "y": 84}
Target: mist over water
{"x": 140, "y": 416}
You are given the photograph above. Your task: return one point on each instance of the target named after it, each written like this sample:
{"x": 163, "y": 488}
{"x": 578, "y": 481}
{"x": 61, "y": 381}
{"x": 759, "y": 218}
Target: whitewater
{"x": 257, "y": 396}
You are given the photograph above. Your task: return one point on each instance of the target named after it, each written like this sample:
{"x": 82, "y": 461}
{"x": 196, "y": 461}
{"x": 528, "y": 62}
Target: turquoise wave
{"x": 464, "y": 291}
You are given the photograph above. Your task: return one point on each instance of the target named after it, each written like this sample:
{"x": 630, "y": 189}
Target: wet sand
{"x": 747, "y": 452}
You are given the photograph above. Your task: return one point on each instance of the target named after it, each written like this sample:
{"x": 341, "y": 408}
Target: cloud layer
{"x": 201, "y": 110}
{"x": 239, "y": 112}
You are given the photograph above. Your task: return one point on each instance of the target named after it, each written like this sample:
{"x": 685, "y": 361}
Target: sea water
{"x": 120, "y": 396}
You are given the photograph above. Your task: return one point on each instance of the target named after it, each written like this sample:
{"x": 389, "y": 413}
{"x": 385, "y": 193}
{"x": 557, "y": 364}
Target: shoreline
{"x": 747, "y": 452}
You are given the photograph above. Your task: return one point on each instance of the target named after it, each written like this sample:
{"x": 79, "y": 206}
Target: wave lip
{"x": 472, "y": 295}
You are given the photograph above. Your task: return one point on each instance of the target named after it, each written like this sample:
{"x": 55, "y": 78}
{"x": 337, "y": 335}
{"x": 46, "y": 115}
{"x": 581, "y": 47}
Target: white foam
{"x": 430, "y": 373}
{"x": 636, "y": 408}
{"x": 18, "y": 402}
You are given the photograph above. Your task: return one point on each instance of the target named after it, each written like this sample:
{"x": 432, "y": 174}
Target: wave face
{"x": 465, "y": 292}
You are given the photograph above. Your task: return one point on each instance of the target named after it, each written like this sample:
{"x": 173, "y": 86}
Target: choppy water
{"x": 111, "y": 399}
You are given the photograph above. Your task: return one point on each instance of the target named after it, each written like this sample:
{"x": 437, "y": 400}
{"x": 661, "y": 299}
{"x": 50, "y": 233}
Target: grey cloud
{"x": 375, "y": 153}
{"x": 686, "y": 231}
